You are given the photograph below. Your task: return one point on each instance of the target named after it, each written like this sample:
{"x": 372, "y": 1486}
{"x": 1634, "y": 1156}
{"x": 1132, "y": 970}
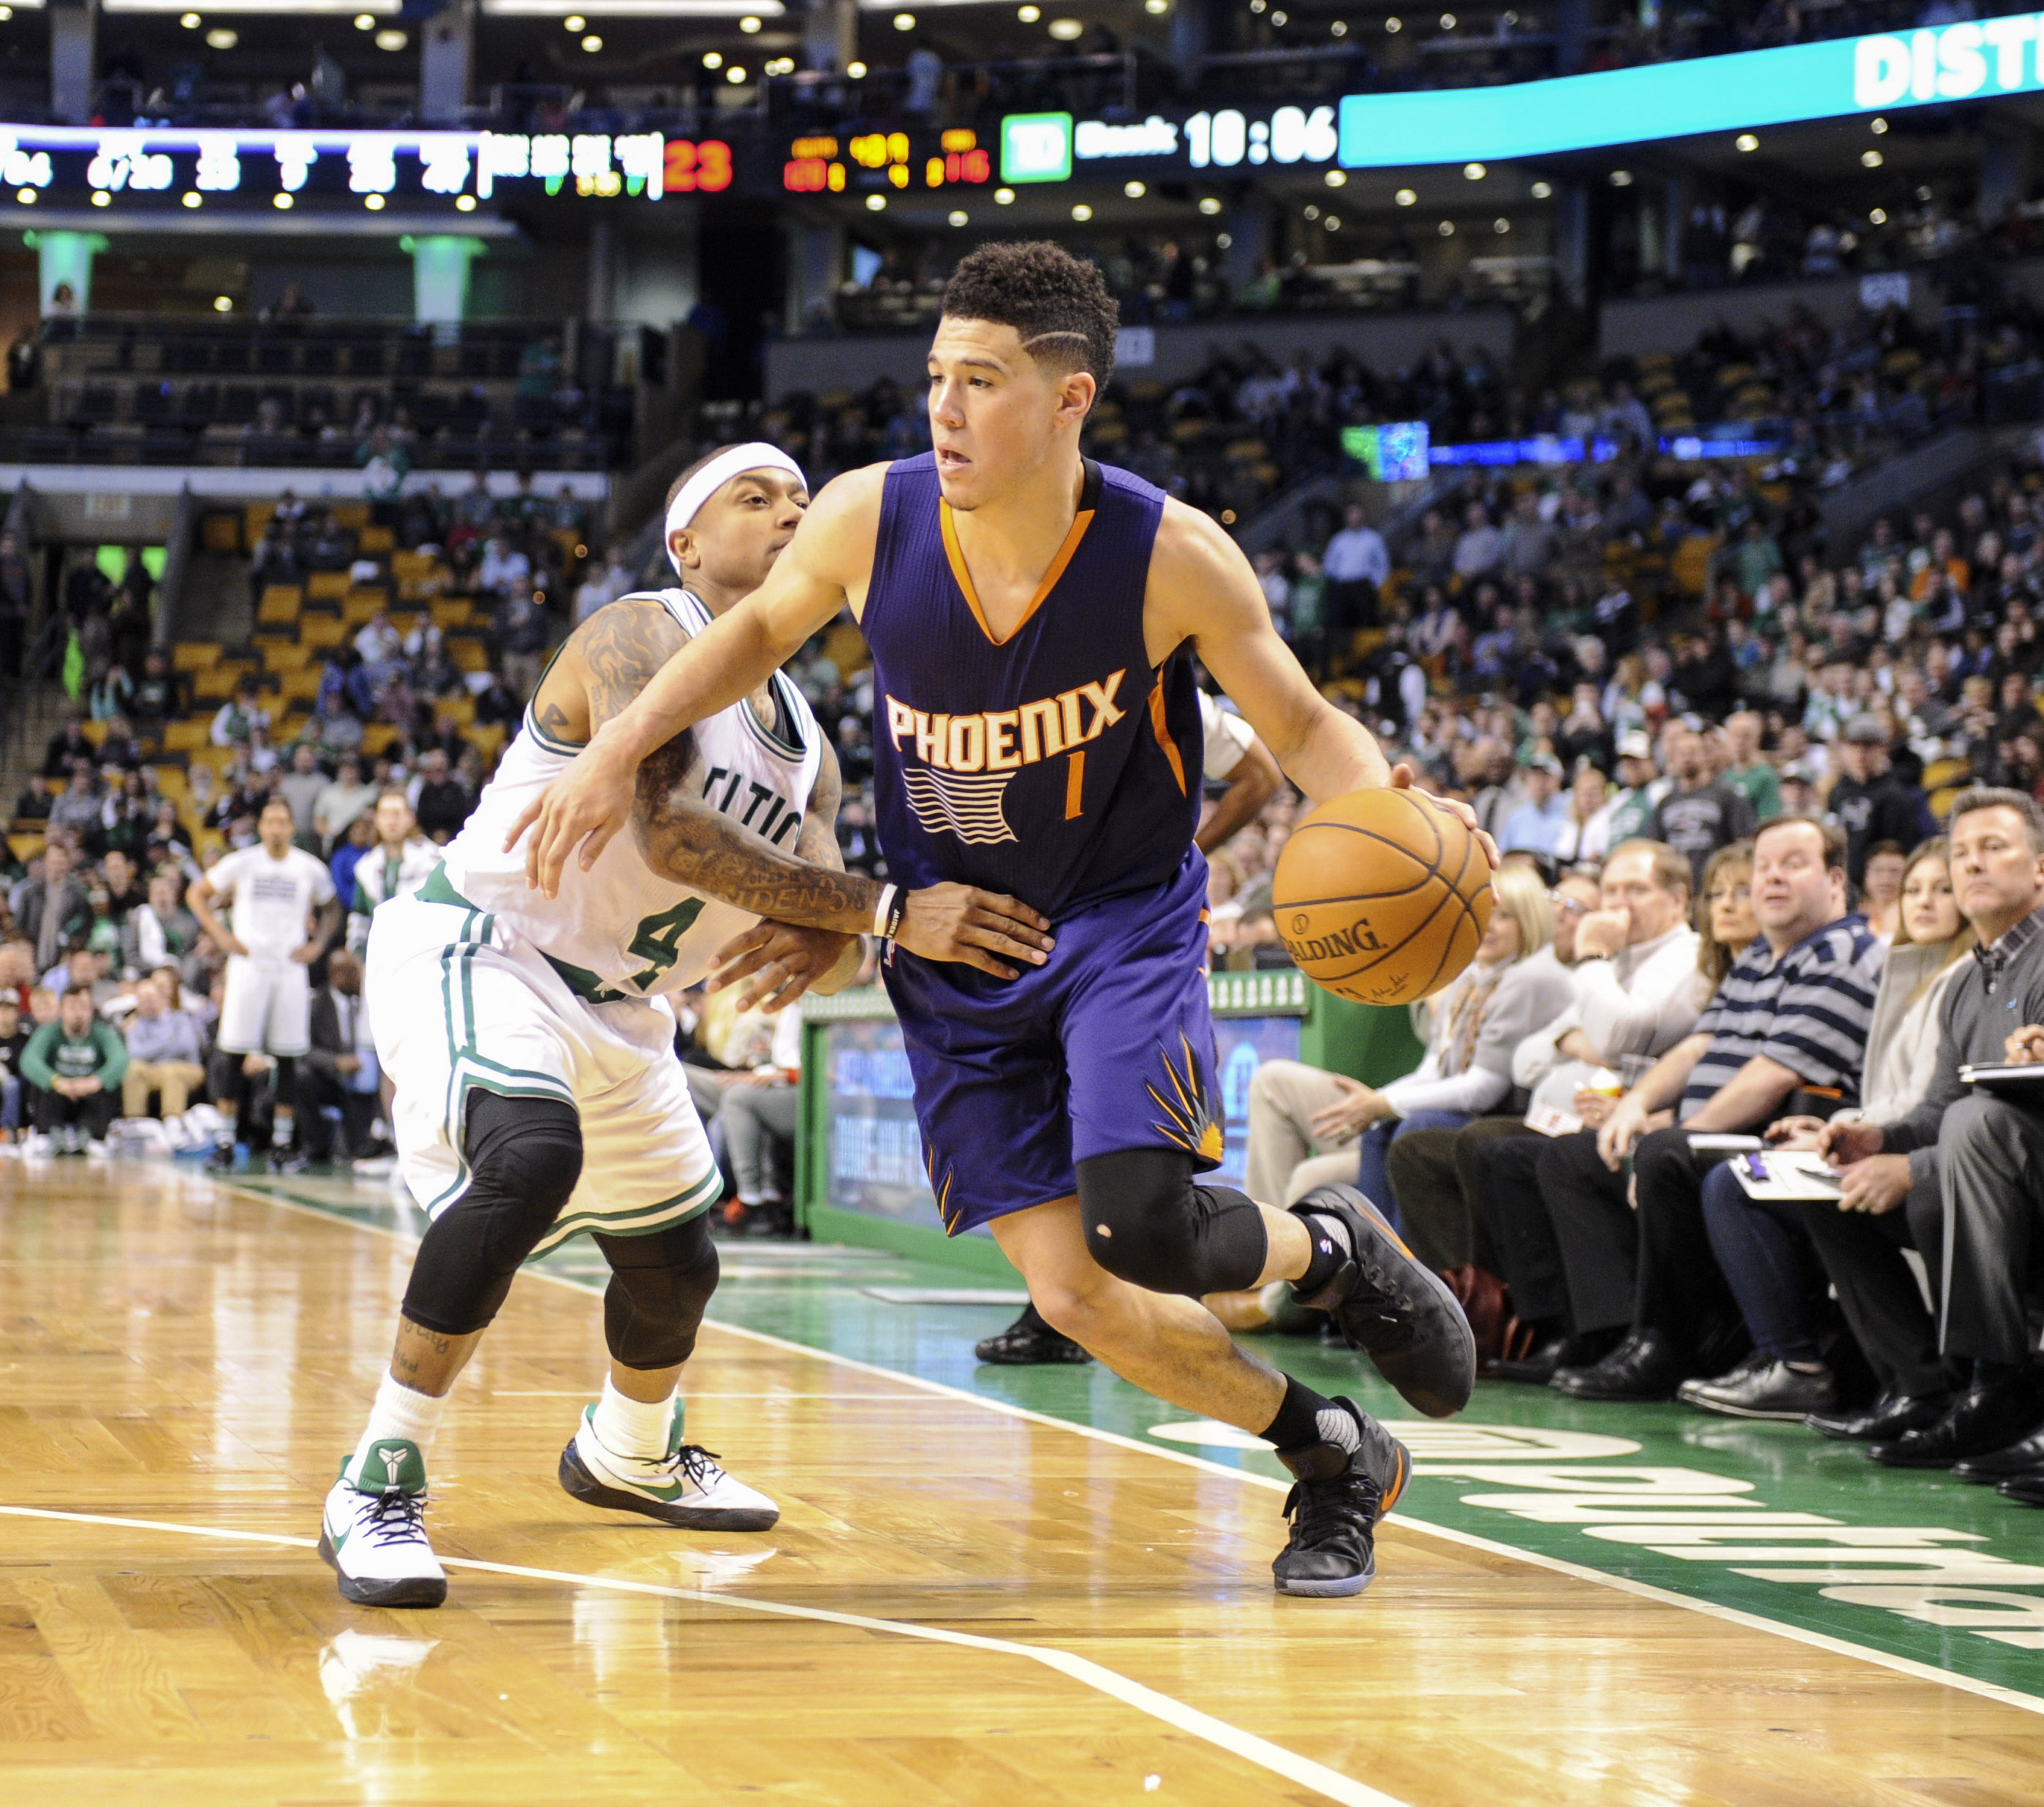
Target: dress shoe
{"x": 1888, "y": 1418}
{"x": 2003, "y": 1464}
{"x": 1988, "y": 1416}
{"x": 1761, "y": 1389}
{"x": 1645, "y": 1365}
{"x": 2025, "y": 1489}
{"x": 1538, "y": 1366}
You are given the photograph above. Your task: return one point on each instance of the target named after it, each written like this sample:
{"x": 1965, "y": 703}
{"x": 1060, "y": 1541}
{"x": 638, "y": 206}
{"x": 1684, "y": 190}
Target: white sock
{"x": 400, "y": 1411}
{"x": 631, "y": 1428}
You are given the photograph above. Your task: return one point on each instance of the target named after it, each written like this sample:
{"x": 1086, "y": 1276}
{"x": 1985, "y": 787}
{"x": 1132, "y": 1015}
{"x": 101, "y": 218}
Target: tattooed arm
{"x": 605, "y": 665}
{"x": 783, "y": 961}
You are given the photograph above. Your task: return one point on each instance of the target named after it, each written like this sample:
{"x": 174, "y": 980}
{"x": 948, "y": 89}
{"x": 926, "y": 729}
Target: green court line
{"x": 1915, "y": 1566}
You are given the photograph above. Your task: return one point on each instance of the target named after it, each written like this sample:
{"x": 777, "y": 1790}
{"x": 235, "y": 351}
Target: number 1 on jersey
{"x": 1074, "y": 784}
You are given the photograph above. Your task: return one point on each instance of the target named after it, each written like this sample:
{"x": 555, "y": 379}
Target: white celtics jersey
{"x": 619, "y": 930}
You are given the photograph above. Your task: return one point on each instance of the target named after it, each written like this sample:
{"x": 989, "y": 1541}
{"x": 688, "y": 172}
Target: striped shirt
{"x": 1809, "y": 1009}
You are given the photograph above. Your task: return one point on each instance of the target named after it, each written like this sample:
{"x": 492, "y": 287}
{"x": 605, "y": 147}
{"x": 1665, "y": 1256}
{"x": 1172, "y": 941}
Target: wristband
{"x": 887, "y": 913}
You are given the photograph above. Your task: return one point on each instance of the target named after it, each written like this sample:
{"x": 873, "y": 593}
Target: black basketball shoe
{"x": 1342, "y": 1491}
{"x": 1029, "y": 1342}
{"x": 1388, "y": 1305}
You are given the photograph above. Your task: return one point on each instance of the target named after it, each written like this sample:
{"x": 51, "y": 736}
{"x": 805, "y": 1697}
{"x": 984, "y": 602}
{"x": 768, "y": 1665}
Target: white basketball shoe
{"x": 373, "y": 1535}
{"x": 684, "y": 1487}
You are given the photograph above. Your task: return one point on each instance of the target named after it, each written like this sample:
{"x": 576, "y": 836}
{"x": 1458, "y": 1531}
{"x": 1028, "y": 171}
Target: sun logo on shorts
{"x": 1191, "y": 1123}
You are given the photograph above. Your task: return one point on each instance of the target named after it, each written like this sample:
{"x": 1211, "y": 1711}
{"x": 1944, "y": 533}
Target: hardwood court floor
{"x": 958, "y": 1605}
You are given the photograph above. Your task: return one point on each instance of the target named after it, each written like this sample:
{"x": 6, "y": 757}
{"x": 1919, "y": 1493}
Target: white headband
{"x": 727, "y": 463}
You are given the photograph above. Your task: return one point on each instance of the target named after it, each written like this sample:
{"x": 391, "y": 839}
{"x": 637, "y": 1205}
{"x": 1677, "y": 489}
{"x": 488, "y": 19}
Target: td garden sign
{"x": 1971, "y": 60}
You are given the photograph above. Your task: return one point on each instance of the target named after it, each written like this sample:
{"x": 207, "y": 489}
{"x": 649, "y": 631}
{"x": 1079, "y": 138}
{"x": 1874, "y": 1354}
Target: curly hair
{"x": 1057, "y": 304}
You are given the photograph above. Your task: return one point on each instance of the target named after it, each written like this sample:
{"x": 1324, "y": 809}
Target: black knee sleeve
{"x": 524, "y": 1156}
{"x": 1147, "y": 1223}
{"x": 659, "y": 1288}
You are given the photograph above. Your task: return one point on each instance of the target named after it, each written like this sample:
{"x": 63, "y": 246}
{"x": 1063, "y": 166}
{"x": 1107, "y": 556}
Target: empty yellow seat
{"x": 328, "y": 586}
{"x": 195, "y": 654}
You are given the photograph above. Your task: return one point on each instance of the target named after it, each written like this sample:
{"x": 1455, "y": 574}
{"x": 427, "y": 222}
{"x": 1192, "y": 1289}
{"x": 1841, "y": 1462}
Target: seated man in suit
{"x": 339, "y": 1075}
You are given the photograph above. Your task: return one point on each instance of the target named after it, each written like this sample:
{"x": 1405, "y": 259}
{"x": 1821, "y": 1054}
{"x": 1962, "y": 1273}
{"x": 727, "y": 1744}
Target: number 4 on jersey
{"x": 659, "y": 941}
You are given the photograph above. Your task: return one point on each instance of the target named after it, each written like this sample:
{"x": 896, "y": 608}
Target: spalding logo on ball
{"x": 1382, "y": 896}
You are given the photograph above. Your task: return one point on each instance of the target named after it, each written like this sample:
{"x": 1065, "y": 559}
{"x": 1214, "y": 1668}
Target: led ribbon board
{"x": 1971, "y": 60}
{"x": 167, "y": 162}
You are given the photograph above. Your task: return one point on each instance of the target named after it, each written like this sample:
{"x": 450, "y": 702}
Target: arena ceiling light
{"x": 213, "y": 9}
{"x": 634, "y": 9}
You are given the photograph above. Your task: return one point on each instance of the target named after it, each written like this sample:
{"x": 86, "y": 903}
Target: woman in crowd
{"x": 1508, "y": 990}
{"x": 1585, "y": 835}
{"x": 1761, "y": 1243}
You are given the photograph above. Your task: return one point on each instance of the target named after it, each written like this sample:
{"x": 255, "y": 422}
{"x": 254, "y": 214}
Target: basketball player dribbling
{"x": 1031, "y": 615}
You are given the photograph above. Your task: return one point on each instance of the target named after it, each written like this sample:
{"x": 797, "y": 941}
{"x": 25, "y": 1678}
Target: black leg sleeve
{"x": 1147, "y": 1223}
{"x": 660, "y": 1286}
{"x": 524, "y": 1156}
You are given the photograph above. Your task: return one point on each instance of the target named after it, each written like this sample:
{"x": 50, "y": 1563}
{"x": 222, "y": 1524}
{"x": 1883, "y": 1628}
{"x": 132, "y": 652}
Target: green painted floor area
{"x": 1767, "y": 1519}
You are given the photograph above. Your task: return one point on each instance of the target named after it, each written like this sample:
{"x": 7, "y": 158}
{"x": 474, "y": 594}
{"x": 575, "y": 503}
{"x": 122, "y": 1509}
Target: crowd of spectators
{"x": 1773, "y": 869}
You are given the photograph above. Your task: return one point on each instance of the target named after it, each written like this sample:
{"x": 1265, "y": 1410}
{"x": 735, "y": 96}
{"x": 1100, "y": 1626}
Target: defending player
{"x": 1028, "y": 611}
{"x": 273, "y": 890}
{"x": 538, "y": 1096}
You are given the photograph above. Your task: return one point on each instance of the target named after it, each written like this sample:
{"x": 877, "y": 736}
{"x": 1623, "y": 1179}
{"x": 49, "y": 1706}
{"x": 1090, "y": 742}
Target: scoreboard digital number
{"x": 819, "y": 165}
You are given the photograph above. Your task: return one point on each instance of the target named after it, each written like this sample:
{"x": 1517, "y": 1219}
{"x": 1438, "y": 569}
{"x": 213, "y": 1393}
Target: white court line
{"x": 1173, "y": 1712}
{"x": 1555, "y": 1565}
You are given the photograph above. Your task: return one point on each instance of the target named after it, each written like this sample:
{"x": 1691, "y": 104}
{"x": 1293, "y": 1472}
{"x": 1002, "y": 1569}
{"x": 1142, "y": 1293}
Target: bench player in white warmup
{"x": 532, "y": 1047}
{"x": 271, "y": 890}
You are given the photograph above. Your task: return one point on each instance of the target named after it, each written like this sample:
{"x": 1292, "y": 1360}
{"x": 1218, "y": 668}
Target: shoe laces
{"x": 397, "y": 1517}
{"x": 697, "y": 1465}
{"x": 1339, "y": 1509}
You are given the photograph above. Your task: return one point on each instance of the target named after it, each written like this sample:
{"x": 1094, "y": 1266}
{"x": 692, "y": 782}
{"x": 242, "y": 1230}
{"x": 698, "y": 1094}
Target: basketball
{"x": 1381, "y": 896}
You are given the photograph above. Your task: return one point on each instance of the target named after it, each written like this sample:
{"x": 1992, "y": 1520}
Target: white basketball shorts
{"x": 461, "y": 1003}
{"x": 267, "y": 1009}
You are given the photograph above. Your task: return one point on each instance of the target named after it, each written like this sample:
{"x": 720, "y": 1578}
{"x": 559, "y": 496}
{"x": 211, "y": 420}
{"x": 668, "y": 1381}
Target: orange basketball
{"x": 1381, "y": 896}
